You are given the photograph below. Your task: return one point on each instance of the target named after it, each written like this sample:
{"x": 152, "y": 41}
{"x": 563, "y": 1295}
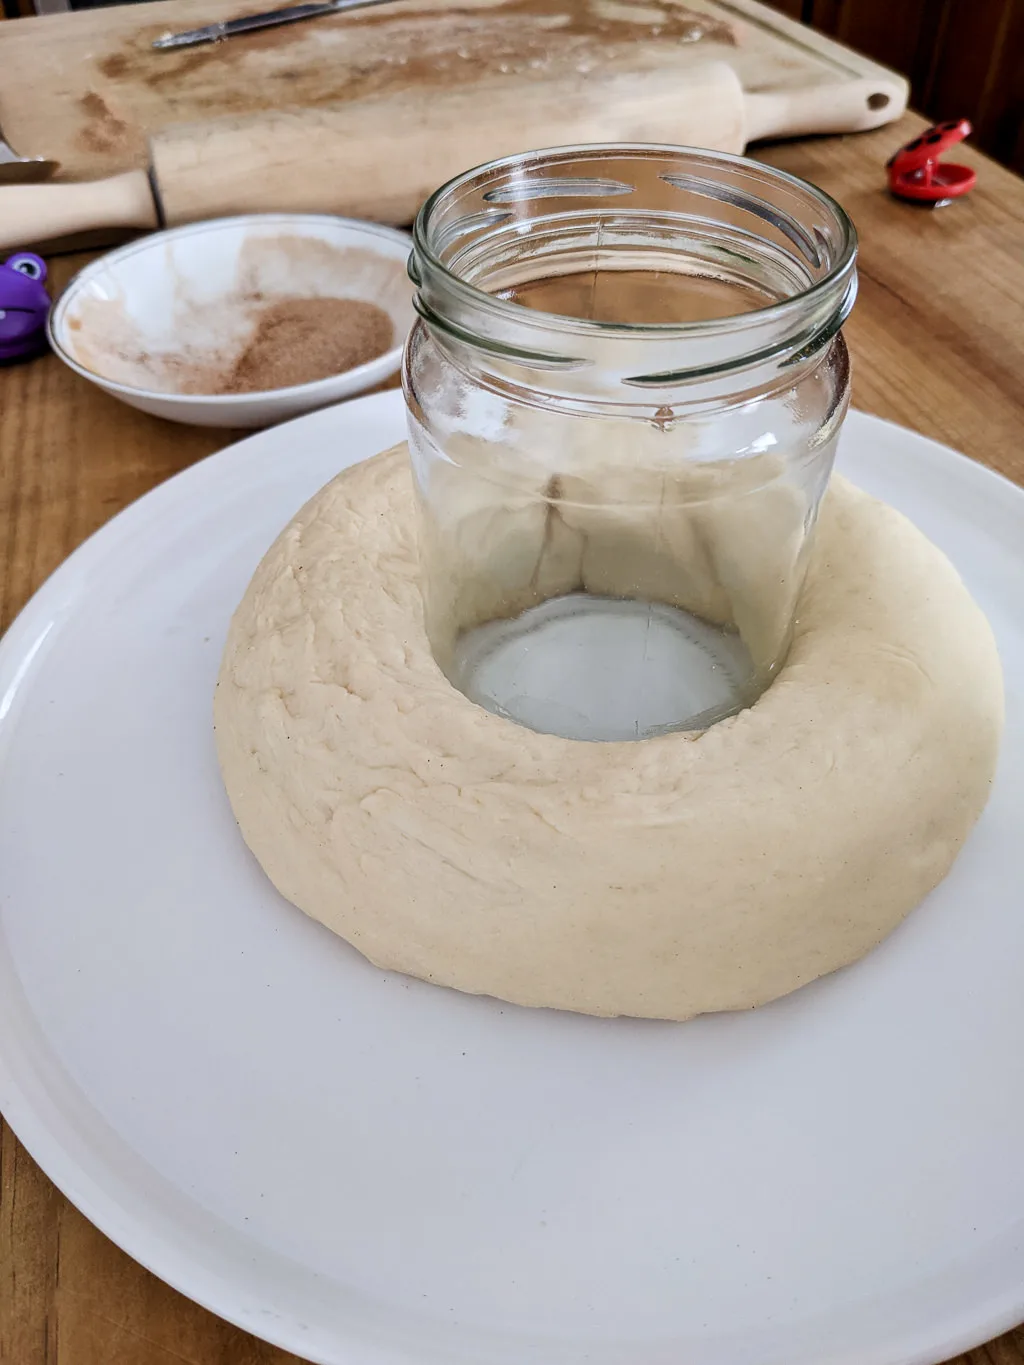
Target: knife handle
{"x": 38, "y": 213}
{"x": 248, "y": 23}
{"x": 289, "y": 15}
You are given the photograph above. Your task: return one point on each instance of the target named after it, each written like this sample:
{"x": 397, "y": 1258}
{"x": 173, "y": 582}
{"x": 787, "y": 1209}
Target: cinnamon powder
{"x": 297, "y": 341}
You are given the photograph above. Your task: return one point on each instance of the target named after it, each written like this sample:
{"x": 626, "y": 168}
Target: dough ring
{"x": 661, "y": 878}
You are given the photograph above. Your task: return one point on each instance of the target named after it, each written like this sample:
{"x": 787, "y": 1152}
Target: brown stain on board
{"x": 103, "y": 130}
{"x": 136, "y": 90}
{"x": 379, "y": 49}
{"x": 114, "y": 66}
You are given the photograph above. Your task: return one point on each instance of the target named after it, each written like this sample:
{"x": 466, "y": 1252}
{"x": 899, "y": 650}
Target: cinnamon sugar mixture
{"x": 297, "y": 341}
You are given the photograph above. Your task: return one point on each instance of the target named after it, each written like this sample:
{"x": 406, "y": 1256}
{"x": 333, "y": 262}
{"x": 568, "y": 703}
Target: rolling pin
{"x": 379, "y": 158}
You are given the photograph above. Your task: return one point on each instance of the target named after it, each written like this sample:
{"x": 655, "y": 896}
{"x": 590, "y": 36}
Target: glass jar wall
{"x": 624, "y": 393}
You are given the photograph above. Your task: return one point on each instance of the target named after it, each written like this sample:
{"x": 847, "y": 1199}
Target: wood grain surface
{"x": 938, "y": 346}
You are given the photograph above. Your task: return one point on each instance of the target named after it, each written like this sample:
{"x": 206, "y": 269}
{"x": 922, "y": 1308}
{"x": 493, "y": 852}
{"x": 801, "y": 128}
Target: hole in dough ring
{"x": 660, "y": 878}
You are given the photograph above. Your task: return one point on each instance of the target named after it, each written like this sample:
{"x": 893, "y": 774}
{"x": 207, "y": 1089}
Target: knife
{"x": 250, "y": 23}
{"x": 23, "y": 170}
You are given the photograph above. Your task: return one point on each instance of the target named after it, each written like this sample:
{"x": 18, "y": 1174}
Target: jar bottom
{"x": 589, "y": 667}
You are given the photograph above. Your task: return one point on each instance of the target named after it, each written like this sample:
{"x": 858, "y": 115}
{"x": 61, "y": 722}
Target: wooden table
{"x": 938, "y": 345}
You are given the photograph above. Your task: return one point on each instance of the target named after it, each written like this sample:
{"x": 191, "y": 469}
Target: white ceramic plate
{"x": 372, "y": 1171}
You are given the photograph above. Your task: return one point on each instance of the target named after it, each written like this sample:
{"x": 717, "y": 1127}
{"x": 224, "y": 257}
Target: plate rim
{"x": 136, "y": 1230}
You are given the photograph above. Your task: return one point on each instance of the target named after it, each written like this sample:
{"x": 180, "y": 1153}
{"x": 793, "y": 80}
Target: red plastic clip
{"x": 915, "y": 172}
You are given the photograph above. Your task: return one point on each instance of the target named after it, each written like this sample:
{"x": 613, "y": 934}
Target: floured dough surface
{"x": 661, "y": 878}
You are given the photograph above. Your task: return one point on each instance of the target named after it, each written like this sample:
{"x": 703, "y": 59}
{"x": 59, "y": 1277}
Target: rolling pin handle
{"x": 41, "y": 213}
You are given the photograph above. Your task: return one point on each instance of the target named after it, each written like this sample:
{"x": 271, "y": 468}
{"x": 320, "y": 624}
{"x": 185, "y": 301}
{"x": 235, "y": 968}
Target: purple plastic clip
{"x": 24, "y": 306}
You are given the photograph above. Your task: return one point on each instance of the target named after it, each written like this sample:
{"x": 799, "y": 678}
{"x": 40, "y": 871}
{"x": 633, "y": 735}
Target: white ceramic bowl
{"x": 147, "y": 322}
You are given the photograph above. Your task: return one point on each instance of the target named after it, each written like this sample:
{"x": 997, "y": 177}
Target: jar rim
{"x": 776, "y": 311}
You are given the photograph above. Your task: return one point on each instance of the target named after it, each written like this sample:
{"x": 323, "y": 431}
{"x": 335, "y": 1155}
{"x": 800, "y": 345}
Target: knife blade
{"x": 251, "y": 23}
{"x": 23, "y": 170}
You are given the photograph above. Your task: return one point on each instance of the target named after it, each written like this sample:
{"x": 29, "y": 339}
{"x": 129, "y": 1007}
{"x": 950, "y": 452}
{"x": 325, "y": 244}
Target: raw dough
{"x": 663, "y": 878}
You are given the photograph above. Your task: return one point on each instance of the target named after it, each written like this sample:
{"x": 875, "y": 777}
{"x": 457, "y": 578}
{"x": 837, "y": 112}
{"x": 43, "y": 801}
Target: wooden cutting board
{"x": 87, "y": 88}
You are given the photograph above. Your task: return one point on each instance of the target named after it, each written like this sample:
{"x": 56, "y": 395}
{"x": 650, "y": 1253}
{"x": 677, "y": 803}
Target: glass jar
{"x": 624, "y": 393}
